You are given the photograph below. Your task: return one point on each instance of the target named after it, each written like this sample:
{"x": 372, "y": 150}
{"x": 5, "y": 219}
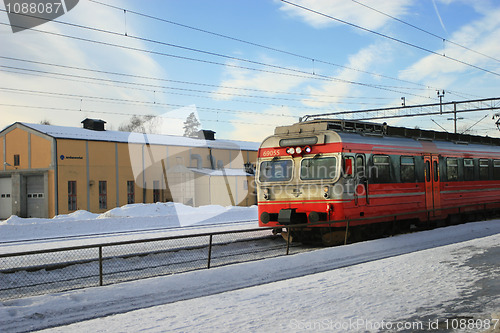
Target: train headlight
{"x": 266, "y": 193}
{"x": 326, "y": 191}
{"x": 290, "y": 150}
{"x": 298, "y": 150}
{"x": 307, "y": 149}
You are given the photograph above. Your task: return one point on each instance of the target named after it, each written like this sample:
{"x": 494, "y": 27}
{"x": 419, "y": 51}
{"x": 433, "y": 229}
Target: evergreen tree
{"x": 191, "y": 126}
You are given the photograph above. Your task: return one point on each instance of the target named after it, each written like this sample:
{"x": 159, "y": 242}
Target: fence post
{"x": 288, "y": 241}
{"x": 100, "y": 266}
{"x": 209, "y": 251}
{"x": 346, "y": 232}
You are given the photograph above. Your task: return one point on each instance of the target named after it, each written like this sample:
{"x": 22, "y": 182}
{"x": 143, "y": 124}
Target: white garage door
{"x": 36, "y": 197}
{"x": 5, "y": 198}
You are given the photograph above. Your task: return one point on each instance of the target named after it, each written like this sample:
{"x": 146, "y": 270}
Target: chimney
{"x": 94, "y": 124}
{"x": 206, "y": 134}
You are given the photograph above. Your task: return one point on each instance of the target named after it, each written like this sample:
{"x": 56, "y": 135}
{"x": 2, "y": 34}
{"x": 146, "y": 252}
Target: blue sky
{"x": 305, "y": 63}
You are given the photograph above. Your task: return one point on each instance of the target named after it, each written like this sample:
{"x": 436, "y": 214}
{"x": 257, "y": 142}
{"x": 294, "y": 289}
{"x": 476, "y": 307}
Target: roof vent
{"x": 206, "y": 134}
{"x": 94, "y": 124}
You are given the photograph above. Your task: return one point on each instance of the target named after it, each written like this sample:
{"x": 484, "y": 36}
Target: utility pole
{"x": 441, "y": 95}
{"x": 454, "y": 116}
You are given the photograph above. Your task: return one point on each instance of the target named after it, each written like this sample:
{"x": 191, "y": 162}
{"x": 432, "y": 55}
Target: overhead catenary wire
{"x": 58, "y": 75}
{"x": 274, "y": 49}
{"x": 292, "y": 107}
{"x": 190, "y": 83}
{"x": 391, "y": 38}
{"x": 289, "y": 71}
{"x": 425, "y": 31}
{"x": 52, "y": 108}
{"x": 313, "y": 59}
{"x": 252, "y": 68}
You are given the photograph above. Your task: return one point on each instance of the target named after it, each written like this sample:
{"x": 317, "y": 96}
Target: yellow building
{"x": 49, "y": 170}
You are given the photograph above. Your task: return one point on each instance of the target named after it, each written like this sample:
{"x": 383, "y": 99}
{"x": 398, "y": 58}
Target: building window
{"x": 452, "y": 169}
{"x": 103, "y": 198}
{"x": 130, "y": 192}
{"x": 484, "y": 169}
{"x": 407, "y": 169}
{"x": 72, "y": 195}
{"x": 468, "y": 169}
{"x": 156, "y": 191}
{"x": 16, "y": 160}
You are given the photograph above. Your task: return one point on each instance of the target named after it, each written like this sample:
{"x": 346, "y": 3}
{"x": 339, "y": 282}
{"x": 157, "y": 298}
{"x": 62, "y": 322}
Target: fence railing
{"x": 71, "y": 267}
{"x": 52, "y": 270}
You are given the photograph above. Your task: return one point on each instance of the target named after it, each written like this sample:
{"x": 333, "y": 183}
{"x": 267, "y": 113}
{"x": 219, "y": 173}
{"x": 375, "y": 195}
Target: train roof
{"x": 383, "y": 130}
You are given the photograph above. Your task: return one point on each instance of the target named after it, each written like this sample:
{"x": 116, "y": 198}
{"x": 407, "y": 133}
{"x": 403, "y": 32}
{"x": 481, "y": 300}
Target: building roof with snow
{"x": 76, "y": 133}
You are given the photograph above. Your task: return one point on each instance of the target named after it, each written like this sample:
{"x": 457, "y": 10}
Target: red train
{"x": 338, "y": 170}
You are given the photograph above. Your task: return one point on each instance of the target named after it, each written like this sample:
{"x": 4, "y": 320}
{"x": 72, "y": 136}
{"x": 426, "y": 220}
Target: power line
{"x": 255, "y": 44}
{"x": 425, "y": 31}
{"x": 185, "y": 82}
{"x": 100, "y": 80}
{"x": 175, "y": 88}
{"x": 276, "y": 49}
{"x": 117, "y": 113}
{"x": 390, "y": 37}
{"x": 132, "y": 102}
{"x": 293, "y": 72}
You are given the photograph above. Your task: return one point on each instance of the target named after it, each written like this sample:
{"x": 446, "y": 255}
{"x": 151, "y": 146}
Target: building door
{"x": 5, "y": 198}
{"x": 35, "y": 193}
{"x": 432, "y": 181}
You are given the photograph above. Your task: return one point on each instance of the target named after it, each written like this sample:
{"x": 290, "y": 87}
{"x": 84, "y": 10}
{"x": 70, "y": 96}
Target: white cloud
{"x": 347, "y": 11}
{"x": 479, "y": 36}
{"x": 256, "y": 127}
{"x": 240, "y": 78}
{"x": 362, "y": 61}
{"x": 32, "y": 45}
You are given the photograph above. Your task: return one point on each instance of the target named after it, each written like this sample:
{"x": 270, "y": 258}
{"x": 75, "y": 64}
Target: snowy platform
{"x": 427, "y": 277}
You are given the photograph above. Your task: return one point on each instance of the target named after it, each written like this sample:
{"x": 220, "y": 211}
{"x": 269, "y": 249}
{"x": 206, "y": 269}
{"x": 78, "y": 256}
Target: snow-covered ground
{"x": 415, "y": 279}
{"x": 135, "y": 221}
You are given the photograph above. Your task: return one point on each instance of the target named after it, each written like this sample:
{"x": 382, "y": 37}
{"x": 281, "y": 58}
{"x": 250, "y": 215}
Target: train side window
{"x": 452, "y": 169}
{"x": 484, "y": 169}
{"x": 348, "y": 166}
{"x": 382, "y": 169}
{"x": 407, "y": 169}
{"x": 435, "y": 166}
{"x": 360, "y": 166}
{"x": 468, "y": 169}
{"x": 496, "y": 169}
{"x": 427, "y": 171}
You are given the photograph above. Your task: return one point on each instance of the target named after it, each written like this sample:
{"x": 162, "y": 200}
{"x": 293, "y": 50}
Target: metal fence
{"x": 46, "y": 271}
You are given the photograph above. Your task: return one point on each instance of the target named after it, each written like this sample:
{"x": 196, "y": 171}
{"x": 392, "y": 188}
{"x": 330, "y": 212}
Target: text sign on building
{"x": 26, "y": 14}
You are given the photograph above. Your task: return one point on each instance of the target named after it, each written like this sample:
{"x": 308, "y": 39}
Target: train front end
{"x": 300, "y": 181}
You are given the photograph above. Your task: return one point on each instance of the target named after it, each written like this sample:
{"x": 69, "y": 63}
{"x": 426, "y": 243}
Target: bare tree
{"x": 139, "y": 123}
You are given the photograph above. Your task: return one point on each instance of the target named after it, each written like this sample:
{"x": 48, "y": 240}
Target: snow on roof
{"x": 76, "y": 133}
{"x": 226, "y": 172}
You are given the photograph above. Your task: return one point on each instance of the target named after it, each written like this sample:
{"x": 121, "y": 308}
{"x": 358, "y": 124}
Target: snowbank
{"x": 127, "y": 218}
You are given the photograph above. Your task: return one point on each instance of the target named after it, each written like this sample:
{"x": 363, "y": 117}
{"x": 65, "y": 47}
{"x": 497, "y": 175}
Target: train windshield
{"x": 275, "y": 171}
{"x": 318, "y": 168}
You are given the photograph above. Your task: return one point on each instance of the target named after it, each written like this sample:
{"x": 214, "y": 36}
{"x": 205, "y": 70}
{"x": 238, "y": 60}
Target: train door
{"x": 361, "y": 191}
{"x": 432, "y": 191}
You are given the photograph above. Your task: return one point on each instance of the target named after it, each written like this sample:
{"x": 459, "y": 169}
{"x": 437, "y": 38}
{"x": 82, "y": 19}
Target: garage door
{"x": 36, "y": 197}
{"x": 5, "y": 198}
